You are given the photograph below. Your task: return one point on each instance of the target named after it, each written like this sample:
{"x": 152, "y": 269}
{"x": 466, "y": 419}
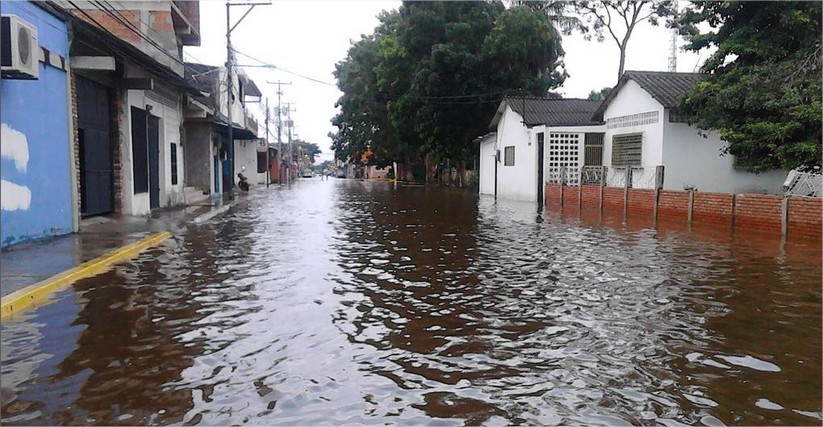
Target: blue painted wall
{"x": 39, "y": 109}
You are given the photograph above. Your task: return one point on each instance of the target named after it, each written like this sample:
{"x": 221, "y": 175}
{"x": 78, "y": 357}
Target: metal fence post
{"x": 658, "y": 185}
{"x": 604, "y": 173}
{"x": 626, "y": 187}
{"x": 580, "y": 187}
{"x": 691, "y": 206}
{"x": 562, "y": 183}
{"x": 784, "y": 216}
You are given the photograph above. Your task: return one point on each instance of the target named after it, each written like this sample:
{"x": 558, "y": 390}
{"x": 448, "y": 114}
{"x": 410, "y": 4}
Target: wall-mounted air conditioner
{"x": 20, "y": 55}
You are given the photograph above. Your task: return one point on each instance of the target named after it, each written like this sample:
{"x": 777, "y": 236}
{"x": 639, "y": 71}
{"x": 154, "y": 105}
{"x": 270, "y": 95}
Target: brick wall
{"x": 804, "y": 217}
{"x": 75, "y": 139}
{"x": 160, "y": 20}
{"x": 613, "y": 199}
{"x": 571, "y": 196}
{"x": 758, "y": 212}
{"x": 641, "y": 202}
{"x": 673, "y": 205}
{"x": 114, "y": 23}
{"x": 591, "y": 196}
{"x": 715, "y": 209}
{"x": 552, "y": 194}
{"x": 711, "y": 211}
{"x": 116, "y": 106}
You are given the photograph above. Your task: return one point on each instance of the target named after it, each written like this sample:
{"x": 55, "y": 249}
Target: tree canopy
{"x": 430, "y": 77}
{"x": 762, "y": 90}
{"x": 599, "y": 95}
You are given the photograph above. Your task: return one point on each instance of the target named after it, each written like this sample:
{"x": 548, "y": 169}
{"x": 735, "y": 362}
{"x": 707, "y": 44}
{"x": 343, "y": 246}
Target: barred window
{"x": 509, "y": 156}
{"x": 627, "y": 149}
{"x": 594, "y": 149}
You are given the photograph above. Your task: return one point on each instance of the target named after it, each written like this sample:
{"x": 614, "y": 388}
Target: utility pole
{"x": 229, "y": 83}
{"x": 279, "y": 125}
{"x": 268, "y": 161}
{"x": 290, "y": 125}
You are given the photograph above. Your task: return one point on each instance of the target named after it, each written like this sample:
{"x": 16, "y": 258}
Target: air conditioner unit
{"x": 20, "y": 55}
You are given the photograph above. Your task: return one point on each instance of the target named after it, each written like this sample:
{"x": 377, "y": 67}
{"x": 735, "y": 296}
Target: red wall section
{"x": 758, "y": 212}
{"x": 714, "y": 208}
{"x": 673, "y": 205}
{"x": 613, "y": 199}
{"x": 641, "y": 202}
{"x": 804, "y": 217}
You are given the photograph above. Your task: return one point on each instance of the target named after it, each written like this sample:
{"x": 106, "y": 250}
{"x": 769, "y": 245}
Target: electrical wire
{"x": 116, "y": 15}
{"x": 269, "y": 65}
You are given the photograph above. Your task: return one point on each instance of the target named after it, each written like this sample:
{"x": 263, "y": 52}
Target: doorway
{"x": 95, "y": 150}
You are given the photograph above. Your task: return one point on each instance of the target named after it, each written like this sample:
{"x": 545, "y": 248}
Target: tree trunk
{"x": 622, "y": 61}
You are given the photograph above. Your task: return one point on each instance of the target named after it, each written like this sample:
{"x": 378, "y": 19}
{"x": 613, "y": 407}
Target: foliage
{"x": 762, "y": 91}
{"x": 430, "y": 77}
{"x": 308, "y": 148}
{"x": 599, "y": 95}
{"x": 619, "y": 18}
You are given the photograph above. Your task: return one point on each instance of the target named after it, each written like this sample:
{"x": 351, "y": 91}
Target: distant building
{"x": 533, "y": 137}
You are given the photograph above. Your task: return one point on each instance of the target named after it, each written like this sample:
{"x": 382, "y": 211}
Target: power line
{"x": 269, "y": 65}
{"x": 123, "y": 20}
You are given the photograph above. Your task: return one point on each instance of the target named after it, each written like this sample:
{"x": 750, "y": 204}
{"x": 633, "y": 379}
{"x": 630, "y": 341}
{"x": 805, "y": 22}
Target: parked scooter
{"x": 244, "y": 182}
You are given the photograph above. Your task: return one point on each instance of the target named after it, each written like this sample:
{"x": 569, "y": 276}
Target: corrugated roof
{"x": 550, "y": 112}
{"x": 665, "y": 87}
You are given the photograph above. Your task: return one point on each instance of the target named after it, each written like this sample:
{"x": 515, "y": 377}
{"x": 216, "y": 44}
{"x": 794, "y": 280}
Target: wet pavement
{"x": 27, "y": 264}
{"x": 350, "y": 302}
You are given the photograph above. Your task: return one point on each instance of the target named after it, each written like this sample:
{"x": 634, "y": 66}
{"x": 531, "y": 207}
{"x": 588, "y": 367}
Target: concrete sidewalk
{"x": 27, "y": 264}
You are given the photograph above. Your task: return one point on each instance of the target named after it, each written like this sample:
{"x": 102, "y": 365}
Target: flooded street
{"x": 349, "y": 302}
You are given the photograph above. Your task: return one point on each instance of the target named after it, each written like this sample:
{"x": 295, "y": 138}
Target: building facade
{"x": 37, "y": 191}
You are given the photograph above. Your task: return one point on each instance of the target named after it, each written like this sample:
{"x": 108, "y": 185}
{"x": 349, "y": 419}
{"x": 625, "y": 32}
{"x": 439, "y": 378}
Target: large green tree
{"x": 428, "y": 80}
{"x": 762, "y": 90}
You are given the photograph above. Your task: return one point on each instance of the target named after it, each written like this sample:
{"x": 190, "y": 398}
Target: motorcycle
{"x": 244, "y": 182}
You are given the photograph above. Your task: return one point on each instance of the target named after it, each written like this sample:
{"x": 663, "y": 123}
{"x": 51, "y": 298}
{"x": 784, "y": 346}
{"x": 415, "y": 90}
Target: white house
{"x": 536, "y": 136}
{"x": 644, "y": 130}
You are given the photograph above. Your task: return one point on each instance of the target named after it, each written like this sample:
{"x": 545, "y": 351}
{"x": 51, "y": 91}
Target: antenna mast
{"x": 673, "y": 45}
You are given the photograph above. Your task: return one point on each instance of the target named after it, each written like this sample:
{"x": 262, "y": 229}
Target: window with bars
{"x": 173, "y": 164}
{"x": 508, "y": 156}
{"x": 593, "y": 149}
{"x": 627, "y": 149}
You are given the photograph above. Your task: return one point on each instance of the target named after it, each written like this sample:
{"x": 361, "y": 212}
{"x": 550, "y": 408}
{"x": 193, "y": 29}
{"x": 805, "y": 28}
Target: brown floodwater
{"x": 349, "y": 302}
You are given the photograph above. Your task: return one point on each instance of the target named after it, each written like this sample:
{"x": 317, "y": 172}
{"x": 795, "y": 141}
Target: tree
{"x": 600, "y": 95}
{"x": 619, "y": 19}
{"x": 432, "y": 73}
{"x": 762, "y": 89}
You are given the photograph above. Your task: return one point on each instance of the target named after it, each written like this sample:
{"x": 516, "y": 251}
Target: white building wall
{"x": 169, "y": 132}
{"x": 518, "y": 182}
{"x": 245, "y": 155}
{"x": 694, "y": 161}
{"x": 487, "y": 160}
{"x": 632, "y": 99}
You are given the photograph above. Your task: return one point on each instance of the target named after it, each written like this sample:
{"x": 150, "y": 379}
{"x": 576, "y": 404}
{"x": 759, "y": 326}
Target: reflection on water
{"x": 343, "y": 302}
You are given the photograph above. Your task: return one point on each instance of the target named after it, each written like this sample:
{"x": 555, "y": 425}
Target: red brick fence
{"x": 797, "y": 217}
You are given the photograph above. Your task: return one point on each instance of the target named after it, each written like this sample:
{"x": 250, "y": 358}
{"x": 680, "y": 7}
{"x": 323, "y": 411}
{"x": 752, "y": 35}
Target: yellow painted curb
{"x": 30, "y": 296}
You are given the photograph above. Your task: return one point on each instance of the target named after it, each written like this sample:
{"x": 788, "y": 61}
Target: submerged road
{"x": 346, "y": 302}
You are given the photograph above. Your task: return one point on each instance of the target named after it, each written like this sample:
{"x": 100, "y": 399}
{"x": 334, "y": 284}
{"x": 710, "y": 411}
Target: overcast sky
{"x": 307, "y": 38}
